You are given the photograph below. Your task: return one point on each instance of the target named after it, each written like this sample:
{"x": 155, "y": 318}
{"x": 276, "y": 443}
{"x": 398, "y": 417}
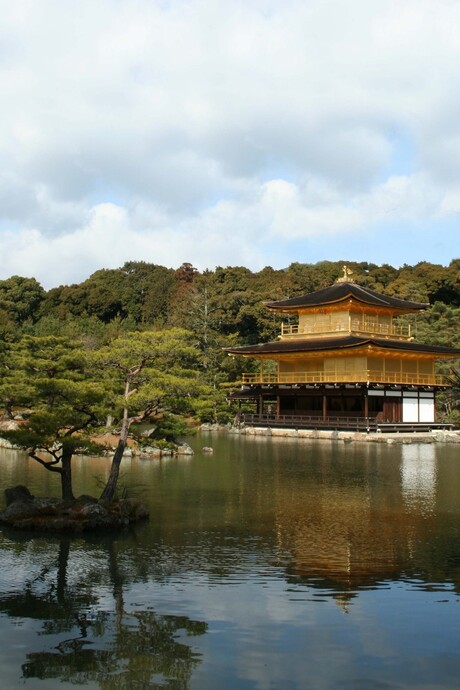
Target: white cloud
{"x": 201, "y": 131}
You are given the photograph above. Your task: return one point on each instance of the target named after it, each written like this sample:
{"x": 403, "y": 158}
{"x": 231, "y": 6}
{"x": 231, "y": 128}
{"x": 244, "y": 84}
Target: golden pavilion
{"x": 344, "y": 360}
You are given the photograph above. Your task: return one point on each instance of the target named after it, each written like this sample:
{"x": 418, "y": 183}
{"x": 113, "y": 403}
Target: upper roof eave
{"x": 343, "y": 291}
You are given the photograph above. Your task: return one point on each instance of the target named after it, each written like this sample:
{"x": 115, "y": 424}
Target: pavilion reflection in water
{"x": 358, "y": 535}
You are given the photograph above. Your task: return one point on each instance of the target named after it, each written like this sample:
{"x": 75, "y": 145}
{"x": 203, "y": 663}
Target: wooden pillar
{"x": 366, "y": 405}
{"x": 324, "y": 405}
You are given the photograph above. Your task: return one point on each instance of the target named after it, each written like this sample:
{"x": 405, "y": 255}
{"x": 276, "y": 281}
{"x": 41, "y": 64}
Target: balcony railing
{"x": 355, "y": 326}
{"x": 363, "y": 376}
{"x": 342, "y": 422}
{"x": 336, "y": 422}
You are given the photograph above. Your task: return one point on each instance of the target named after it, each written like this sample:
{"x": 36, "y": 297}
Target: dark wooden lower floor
{"x": 360, "y": 406}
{"x": 336, "y": 423}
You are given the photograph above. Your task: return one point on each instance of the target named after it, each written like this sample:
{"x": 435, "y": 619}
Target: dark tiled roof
{"x": 350, "y": 341}
{"x": 340, "y": 292}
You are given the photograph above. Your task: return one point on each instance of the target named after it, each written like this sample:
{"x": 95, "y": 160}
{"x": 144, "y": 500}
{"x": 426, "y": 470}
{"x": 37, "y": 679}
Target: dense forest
{"x": 217, "y": 308}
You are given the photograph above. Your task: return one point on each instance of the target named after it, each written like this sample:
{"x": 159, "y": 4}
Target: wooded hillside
{"x": 220, "y": 307}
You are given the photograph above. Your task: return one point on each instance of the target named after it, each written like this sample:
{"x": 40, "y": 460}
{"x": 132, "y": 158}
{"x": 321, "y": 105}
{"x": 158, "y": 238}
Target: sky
{"x": 227, "y": 132}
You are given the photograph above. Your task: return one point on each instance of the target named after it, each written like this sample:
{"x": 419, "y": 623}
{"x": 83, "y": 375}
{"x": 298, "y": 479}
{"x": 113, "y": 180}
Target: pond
{"x": 272, "y": 564}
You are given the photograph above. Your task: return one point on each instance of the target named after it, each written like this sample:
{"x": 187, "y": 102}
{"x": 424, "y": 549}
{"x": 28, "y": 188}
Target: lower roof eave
{"x": 278, "y": 348}
{"x": 253, "y": 390}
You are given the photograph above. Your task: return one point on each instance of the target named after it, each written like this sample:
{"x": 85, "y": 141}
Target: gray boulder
{"x": 19, "y": 493}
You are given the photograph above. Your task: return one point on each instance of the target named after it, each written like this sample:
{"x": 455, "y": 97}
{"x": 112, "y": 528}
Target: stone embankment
{"x": 435, "y": 436}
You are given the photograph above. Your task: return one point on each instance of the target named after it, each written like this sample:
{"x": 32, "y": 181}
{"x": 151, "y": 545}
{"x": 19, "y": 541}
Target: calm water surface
{"x": 269, "y": 565}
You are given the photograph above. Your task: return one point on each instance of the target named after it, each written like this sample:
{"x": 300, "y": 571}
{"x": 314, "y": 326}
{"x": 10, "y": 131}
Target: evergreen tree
{"x": 54, "y": 377}
{"x": 150, "y": 373}
{"x": 20, "y": 299}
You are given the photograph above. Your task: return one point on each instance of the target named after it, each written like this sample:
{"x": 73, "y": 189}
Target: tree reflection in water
{"x": 84, "y": 642}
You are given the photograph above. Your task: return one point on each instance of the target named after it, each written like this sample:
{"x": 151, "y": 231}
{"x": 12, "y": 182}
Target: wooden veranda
{"x": 336, "y": 423}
